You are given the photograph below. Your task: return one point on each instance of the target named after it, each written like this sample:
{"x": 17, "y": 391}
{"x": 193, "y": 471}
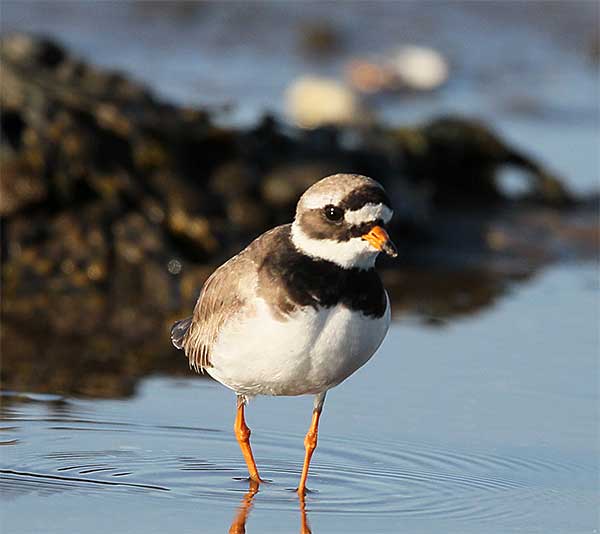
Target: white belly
{"x": 310, "y": 352}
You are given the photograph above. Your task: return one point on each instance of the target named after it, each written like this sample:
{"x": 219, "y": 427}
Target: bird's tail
{"x": 179, "y": 331}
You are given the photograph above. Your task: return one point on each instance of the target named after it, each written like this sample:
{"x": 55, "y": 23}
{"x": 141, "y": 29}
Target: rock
{"x": 419, "y": 68}
{"x": 29, "y": 50}
{"x": 282, "y": 187}
{"x": 313, "y": 101}
{"x": 458, "y": 160}
{"x": 21, "y": 185}
{"x": 369, "y": 76}
{"x": 410, "y": 68}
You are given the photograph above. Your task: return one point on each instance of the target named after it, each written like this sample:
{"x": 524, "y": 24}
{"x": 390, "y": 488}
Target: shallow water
{"x": 487, "y": 425}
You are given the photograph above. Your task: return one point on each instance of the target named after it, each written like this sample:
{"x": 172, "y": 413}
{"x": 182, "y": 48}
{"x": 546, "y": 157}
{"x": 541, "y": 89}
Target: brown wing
{"x": 231, "y": 289}
{"x": 224, "y": 294}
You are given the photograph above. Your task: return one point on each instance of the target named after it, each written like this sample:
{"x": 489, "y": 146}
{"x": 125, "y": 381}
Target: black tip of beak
{"x": 390, "y": 249}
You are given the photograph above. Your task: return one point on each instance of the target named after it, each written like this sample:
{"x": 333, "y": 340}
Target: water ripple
{"x": 348, "y": 477}
{"x": 21, "y": 476}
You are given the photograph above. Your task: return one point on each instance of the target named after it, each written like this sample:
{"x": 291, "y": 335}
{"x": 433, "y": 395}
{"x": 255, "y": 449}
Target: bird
{"x": 300, "y": 309}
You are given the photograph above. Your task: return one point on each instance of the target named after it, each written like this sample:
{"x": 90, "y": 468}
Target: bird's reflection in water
{"x": 238, "y": 526}
{"x": 304, "y": 527}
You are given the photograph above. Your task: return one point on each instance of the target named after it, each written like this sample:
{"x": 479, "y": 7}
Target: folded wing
{"x": 223, "y": 295}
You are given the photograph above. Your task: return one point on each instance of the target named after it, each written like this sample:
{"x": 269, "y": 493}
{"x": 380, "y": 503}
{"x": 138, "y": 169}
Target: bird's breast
{"x": 309, "y": 351}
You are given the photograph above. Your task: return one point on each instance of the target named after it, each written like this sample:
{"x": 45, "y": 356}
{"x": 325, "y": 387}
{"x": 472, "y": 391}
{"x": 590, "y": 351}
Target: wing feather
{"x": 223, "y": 295}
{"x": 230, "y": 290}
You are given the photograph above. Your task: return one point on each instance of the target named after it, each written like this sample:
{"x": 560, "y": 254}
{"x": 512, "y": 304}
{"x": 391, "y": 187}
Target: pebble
{"x": 412, "y": 68}
{"x": 419, "y": 68}
{"x": 313, "y": 101}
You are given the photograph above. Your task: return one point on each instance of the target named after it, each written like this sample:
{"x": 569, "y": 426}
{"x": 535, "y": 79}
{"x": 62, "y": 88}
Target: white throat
{"x": 355, "y": 253}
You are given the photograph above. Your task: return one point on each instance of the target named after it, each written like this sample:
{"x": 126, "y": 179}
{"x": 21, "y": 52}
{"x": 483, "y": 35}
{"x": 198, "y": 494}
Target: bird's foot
{"x": 302, "y": 492}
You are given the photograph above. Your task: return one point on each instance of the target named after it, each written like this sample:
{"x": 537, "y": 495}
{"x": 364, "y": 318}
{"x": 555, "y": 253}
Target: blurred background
{"x": 143, "y": 143}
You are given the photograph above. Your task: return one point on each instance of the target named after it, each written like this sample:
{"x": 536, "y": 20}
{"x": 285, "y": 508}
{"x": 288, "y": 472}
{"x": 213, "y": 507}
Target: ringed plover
{"x": 299, "y": 309}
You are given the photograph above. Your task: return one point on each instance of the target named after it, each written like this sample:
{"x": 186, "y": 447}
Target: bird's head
{"x": 342, "y": 219}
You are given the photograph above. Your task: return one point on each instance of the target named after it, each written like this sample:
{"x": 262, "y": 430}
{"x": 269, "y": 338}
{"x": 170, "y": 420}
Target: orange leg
{"x": 310, "y": 441}
{"x": 242, "y": 433}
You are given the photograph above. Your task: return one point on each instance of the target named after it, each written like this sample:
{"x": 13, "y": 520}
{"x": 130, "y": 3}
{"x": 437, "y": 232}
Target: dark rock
{"x": 458, "y": 159}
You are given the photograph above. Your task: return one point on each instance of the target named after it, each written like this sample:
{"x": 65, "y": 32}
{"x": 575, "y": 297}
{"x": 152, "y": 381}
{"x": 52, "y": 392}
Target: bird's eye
{"x": 333, "y": 213}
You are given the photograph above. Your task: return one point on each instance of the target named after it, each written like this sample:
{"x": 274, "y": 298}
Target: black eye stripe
{"x": 361, "y": 229}
{"x": 316, "y": 226}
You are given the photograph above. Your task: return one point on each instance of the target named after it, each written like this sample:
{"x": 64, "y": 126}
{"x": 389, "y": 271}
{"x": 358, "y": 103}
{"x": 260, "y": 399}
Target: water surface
{"x": 489, "y": 424}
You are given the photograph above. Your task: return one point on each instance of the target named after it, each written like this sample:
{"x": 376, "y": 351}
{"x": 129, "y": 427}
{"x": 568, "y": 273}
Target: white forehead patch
{"x": 312, "y": 202}
{"x": 369, "y": 213}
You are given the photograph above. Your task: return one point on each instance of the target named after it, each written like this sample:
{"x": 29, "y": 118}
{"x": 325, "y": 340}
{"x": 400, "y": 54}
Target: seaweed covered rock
{"x": 459, "y": 159}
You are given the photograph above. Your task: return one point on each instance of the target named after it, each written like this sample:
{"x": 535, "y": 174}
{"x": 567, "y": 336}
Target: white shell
{"x": 419, "y": 68}
{"x": 313, "y": 101}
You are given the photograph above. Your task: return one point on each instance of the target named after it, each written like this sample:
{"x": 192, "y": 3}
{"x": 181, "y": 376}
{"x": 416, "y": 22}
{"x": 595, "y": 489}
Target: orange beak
{"x": 380, "y": 239}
